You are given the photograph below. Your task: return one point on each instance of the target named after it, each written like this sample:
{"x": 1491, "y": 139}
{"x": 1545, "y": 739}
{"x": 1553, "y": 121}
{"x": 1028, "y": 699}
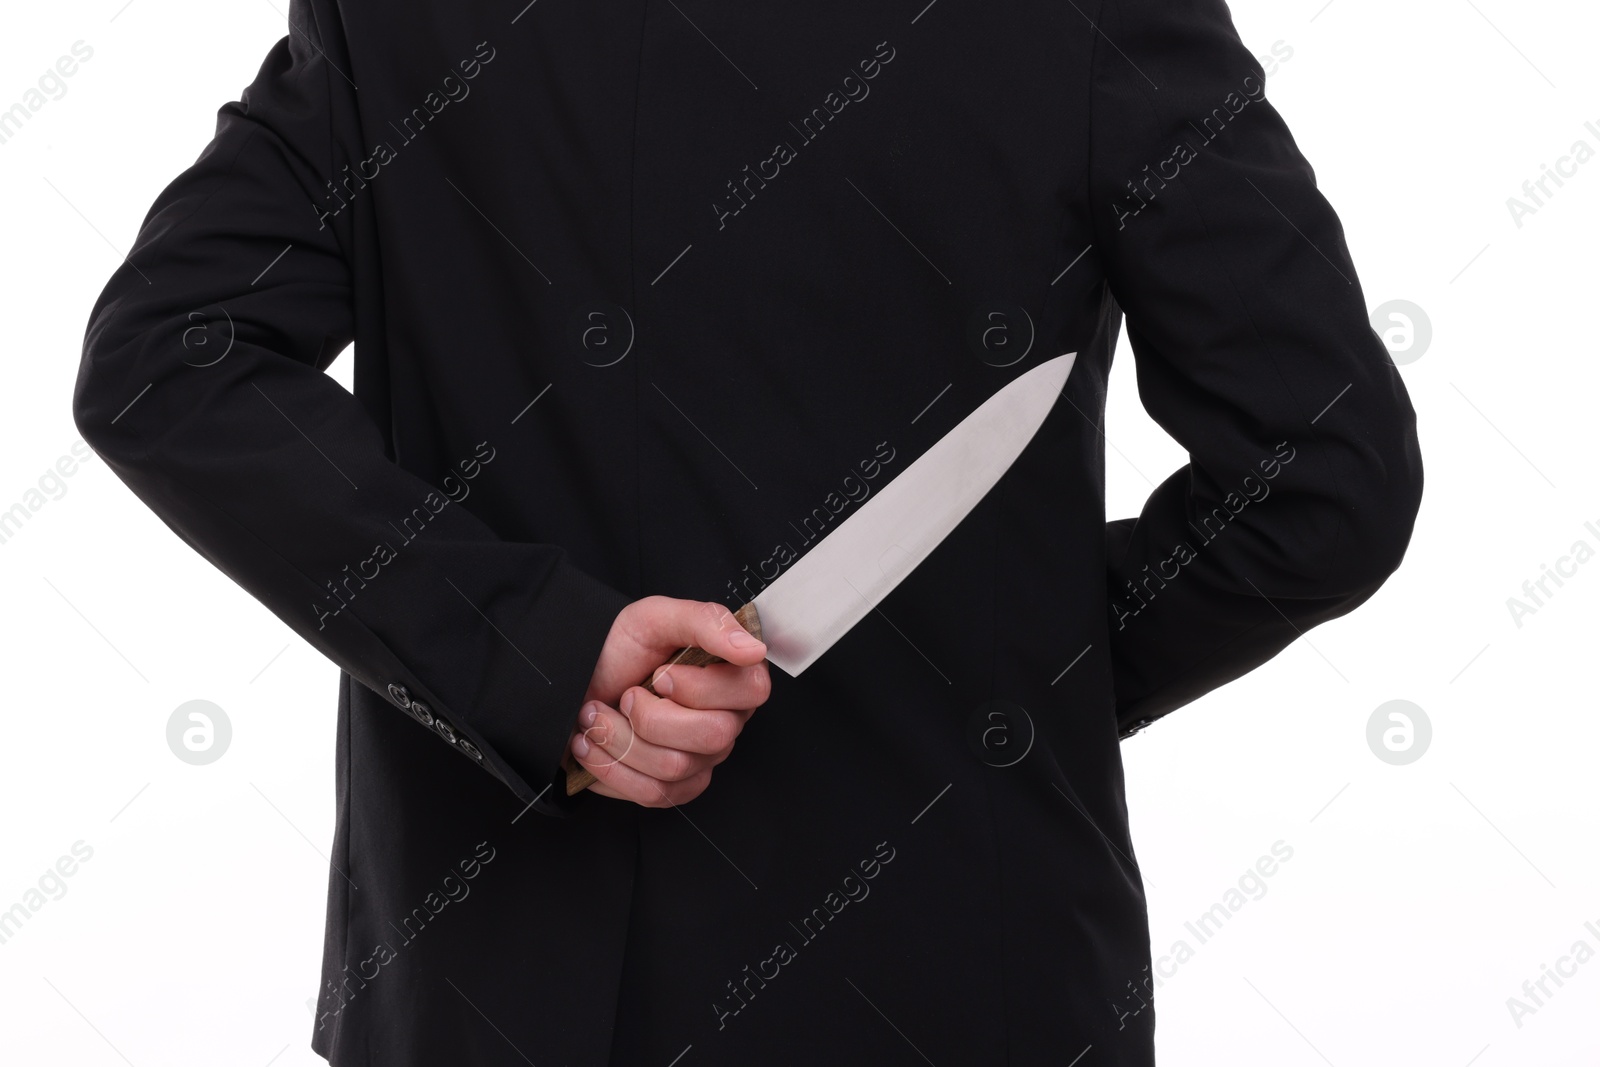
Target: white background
{"x": 1418, "y": 898}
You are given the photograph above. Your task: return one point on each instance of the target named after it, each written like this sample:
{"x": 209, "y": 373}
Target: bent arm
{"x": 1253, "y": 351}
{"x": 202, "y": 385}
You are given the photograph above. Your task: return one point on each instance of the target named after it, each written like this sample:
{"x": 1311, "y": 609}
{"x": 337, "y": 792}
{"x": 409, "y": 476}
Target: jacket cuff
{"x": 517, "y": 724}
{"x": 529, "y": 718}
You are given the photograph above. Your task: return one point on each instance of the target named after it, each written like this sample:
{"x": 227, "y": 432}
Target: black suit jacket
{"x": 646, "y": 298}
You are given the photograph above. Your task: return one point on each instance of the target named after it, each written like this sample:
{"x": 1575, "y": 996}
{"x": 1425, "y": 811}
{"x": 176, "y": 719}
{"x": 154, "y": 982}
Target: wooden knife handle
{"x": 578, "y": 776}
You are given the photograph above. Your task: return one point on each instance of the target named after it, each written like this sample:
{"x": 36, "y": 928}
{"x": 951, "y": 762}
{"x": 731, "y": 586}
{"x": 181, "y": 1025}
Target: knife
{"x": 832, "y": 587}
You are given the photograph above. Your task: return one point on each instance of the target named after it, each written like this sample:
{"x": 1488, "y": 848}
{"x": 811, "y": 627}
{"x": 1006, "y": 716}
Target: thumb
{"x": 713, "y": 627}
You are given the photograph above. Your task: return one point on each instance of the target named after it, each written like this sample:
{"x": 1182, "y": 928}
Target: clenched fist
{"x": 658, "y": 751}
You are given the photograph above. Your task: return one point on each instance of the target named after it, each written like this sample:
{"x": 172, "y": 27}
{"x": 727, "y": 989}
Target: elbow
{"x": 87, "y": 401}
{"x": 1378, "y": 523}
{"x": 1343, "y": 532}
{"x": 94, "y": 410}
{"x": 1375, "y": 551}
{"x": 85, "y": 407}
{"x": 106, "y": 388}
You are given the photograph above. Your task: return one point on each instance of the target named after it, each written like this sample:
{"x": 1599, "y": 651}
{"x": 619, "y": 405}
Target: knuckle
{"x": 597, "y": 765}
{"x": 634, "y": 619}
{"x": 644, "y": 619}
{"x": 713, "y": 614}
{"x": 722, "y": 754}
{"x": 688, "y": 685}
{"x": 683, "y": 792}
{"x": 676, "y": 766}
{"x": 641, "y": 714}
{"x": 722, "y": 731}
{"x": 695, "y": 786}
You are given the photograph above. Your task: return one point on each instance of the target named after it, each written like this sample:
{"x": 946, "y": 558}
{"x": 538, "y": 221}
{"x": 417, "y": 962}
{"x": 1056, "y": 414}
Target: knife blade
{"x": 821, "y": 597}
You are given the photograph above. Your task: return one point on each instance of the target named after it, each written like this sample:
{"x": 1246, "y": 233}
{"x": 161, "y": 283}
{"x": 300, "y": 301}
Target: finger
{"x": 621, "y": 782}
{"x": 596, "y": 742}
{"x": 654, "y": 794}
{"x": 610, "y": 733}
{"x": 718, "y": 686}
{"x": 613, "y": 779}
{"x": 669, "y": 727}
{"x": 712, "y": 627}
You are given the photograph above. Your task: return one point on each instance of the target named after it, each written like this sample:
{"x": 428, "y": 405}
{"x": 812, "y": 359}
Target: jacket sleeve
{"x": 1253, "y": 350}
{"x": 202, "y": 385}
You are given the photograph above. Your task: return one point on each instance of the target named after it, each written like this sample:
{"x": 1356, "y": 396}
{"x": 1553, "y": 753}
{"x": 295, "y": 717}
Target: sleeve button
{"x": 422, "y": 712}
{"x": 446, "y": 731}
{"x": 470, "y": 749}
{"x": 398, "y": 694}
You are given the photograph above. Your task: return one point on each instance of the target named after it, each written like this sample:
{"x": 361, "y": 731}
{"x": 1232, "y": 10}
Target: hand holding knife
{"x": 808, "y": 608}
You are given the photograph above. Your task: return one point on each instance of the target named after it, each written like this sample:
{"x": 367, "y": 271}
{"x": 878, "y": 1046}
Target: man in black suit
{"x": 646, "y": 298}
